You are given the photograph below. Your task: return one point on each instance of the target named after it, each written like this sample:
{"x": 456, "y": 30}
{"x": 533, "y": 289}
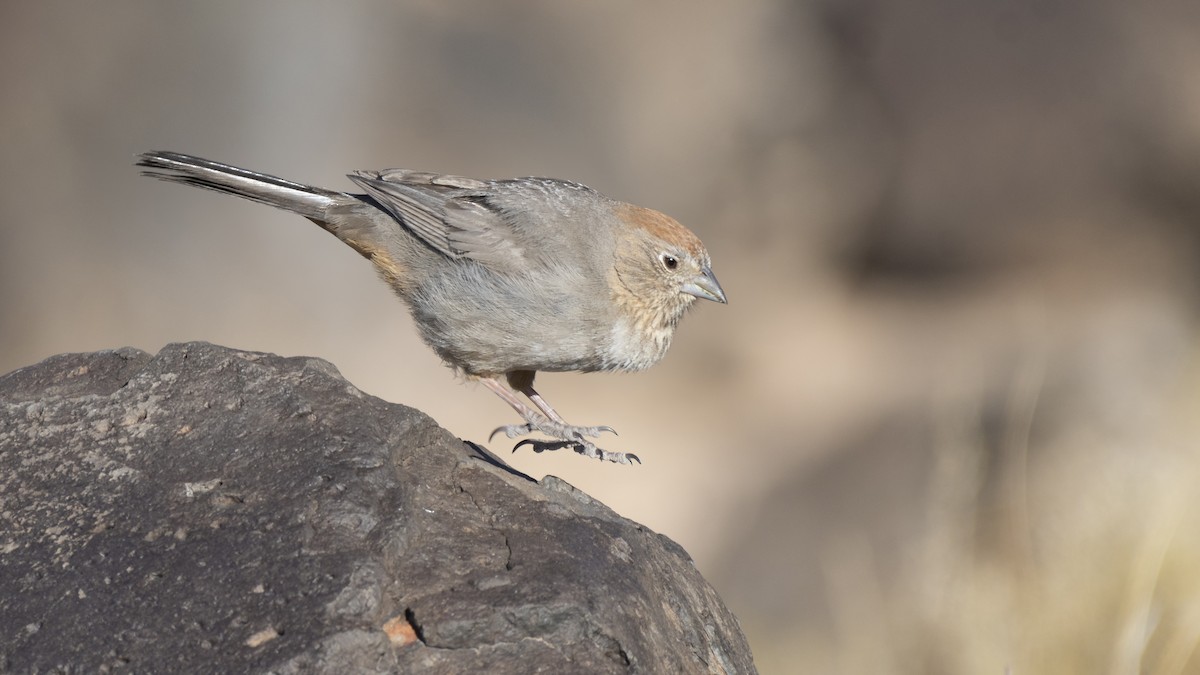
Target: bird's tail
{"x": 311, "y": 202}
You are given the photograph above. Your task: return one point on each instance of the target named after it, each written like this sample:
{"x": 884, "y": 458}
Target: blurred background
{"x": 948, "y": 421}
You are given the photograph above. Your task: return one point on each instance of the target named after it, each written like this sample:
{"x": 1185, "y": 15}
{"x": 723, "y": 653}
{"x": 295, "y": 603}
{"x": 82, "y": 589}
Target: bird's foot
{"x": 565, "y": 436}
{"x": 558, "y": 430}
{"x": 585, "y": 448}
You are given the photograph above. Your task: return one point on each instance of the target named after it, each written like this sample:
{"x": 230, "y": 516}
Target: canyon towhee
{"x": 504, "y": 277}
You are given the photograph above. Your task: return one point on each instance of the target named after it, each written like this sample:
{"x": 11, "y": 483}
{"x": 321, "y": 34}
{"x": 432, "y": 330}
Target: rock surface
{"x": 212, "y": 510}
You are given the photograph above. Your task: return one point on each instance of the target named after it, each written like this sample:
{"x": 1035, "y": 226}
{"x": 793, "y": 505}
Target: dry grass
{"x": 1081, "y": 557}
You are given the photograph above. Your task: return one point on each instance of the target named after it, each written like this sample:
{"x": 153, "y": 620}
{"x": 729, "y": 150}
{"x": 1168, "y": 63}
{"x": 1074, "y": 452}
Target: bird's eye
{"x": 670, "y": 261}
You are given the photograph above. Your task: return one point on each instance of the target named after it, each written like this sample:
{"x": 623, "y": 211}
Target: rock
{"x": 207, "y": 509}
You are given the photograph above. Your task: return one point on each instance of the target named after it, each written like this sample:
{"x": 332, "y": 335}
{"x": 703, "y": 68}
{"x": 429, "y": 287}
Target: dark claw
{"x": 620, "y": 457}
{"x": 543, "y": 446}
{"x": 507, "y": 428}
{"x": 583, "y": 432}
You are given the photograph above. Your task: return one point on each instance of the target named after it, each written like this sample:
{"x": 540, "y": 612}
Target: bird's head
{"x": 660, "y": 268}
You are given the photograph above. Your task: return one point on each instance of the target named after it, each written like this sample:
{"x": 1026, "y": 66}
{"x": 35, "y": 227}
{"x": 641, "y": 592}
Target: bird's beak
{"x": 705, "y": 287}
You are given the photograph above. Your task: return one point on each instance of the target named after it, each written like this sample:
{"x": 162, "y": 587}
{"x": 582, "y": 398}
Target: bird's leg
{"x": 549, "y": 423}
{"x": 522, "y": 381}
{"x": 533, "y": 421}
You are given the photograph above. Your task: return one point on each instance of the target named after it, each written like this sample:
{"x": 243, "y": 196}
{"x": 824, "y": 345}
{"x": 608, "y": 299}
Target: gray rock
{"x": 212, "y": 510}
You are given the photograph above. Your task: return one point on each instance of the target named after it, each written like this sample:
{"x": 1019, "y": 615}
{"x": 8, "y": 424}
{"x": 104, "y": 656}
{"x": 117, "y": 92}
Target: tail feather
{"x": 311, "y": 202}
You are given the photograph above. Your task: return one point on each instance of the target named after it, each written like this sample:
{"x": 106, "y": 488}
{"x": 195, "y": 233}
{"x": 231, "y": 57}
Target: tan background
{"x": 947, "y": 423}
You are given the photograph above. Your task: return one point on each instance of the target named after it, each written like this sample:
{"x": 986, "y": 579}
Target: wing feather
{"x": 449, "y": 213}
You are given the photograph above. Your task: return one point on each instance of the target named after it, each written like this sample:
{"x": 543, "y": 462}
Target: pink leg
{"x": 522, "y": 381}
{"x": 510, "y": 398}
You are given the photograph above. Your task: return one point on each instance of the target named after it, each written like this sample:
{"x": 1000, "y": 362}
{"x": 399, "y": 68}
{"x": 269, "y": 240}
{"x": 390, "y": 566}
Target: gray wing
{"x": 449, "y": 213}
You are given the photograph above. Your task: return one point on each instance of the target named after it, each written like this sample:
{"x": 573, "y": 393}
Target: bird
{"x": 504, "y": 278}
